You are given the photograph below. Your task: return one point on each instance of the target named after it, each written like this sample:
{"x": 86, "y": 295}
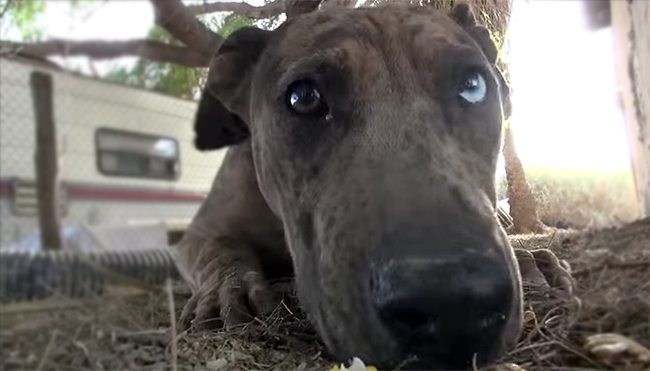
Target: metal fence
{"x": 109, "y": 169}
{"x": 123, "y": 156}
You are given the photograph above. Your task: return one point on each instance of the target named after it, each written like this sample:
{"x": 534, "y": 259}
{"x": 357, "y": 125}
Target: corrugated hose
{"x": 29, "y": 275}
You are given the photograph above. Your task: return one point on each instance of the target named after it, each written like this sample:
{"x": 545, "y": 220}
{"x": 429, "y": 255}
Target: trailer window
{"x": 124, "y": 153}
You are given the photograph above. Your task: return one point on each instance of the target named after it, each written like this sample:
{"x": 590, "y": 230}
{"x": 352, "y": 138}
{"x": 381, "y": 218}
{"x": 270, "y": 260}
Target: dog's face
{"x": 375, "y": 135}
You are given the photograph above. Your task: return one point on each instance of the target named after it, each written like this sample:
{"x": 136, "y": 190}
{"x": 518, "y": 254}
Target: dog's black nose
{"x": 446, "y": 313}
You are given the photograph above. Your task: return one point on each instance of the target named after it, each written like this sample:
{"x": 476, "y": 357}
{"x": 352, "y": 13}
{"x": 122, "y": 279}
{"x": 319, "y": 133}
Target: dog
{"x": 362, "y": 152}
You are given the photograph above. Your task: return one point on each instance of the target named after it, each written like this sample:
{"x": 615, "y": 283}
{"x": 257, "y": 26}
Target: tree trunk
{"x": 630, "y": 23}
{"x": 523, "y": 207}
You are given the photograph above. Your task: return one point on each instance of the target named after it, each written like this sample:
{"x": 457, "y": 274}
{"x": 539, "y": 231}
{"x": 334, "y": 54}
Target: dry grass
{"x": 614, "y": 290}
{"x": 582, "y": 198}
{"x": 133, "y": 332}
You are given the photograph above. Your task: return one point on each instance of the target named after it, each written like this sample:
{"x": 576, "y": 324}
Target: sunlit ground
{"x": 565, "y": 103}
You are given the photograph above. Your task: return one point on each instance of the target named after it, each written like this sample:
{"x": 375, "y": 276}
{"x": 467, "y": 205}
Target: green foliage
{"x": 23, "y": 16}
{"x": 161, "y": 77}
{"x": 171, "y": 79}
{"x": 225, "y": 25}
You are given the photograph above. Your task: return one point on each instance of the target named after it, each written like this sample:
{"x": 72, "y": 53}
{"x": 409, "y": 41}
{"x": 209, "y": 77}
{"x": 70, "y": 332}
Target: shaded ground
{"x": 133, "y": 332}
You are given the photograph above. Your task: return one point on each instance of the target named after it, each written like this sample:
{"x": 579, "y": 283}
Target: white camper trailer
{"x": 125, "y": 155}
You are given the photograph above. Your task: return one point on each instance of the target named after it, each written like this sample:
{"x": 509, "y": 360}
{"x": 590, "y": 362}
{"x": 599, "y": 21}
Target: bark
{"x": 632, "y": 44}
{"x": 254, "y": 12}
{"x": 182, "y": 25}
{"x": 332, "y": 4}
{"x": 523, "y": 207}
{"x": 298, "y": 7}
{"x": 98, "y": 49}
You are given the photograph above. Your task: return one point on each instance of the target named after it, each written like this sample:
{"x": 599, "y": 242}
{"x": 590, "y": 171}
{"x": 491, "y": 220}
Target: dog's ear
{"x": 463, "y": 15}
{"x": 222, "y": 115}
{"x": 214, "y": 126}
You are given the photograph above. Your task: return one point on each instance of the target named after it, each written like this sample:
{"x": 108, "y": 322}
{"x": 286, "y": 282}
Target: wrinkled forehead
{"x": 360, "y": 36}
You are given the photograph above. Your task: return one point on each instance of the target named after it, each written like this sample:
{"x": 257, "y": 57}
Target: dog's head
{"x": 375, "y": 136}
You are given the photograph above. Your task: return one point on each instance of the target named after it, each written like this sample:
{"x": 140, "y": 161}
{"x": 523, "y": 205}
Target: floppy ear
{"x": 222, "y": 115}
{"x": 463, "y": 15}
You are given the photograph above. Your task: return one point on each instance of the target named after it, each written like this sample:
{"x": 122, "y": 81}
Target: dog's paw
{"x": 229, "y": 297}
{"x": 618, "y": 351}
{"x": 542, "y": 269}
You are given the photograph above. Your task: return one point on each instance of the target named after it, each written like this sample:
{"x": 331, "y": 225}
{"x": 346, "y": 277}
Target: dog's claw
{"x": 618, "y": 350}
{"x": 230, "y": 299}
{"x": 542, "y": 269}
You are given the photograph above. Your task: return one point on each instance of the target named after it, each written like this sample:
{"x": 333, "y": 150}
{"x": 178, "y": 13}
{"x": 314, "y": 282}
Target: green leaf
{"x": 26, "y": 16}
{"x": 175, "y": 80}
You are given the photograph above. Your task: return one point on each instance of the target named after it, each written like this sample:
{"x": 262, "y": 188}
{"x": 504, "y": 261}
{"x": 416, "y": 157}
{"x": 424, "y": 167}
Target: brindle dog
{"x": 363, "y": 147}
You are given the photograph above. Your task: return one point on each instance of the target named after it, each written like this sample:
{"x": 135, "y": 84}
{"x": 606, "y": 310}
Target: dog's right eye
{"x": 303, "y": 98}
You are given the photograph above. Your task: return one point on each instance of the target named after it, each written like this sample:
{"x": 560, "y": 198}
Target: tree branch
{"x": 180, "y": 22}
{"x": 182, "y": 25}
{"x": 298, "y": 7}
{"x": 5, "y": 10}
{"x": 333, "y": 4}
{"x": 269, "y": 10}
{"x": 147, "y": 49}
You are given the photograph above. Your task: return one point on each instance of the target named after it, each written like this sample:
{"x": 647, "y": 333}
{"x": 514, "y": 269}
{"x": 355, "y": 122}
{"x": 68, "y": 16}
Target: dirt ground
{"x": 133, "y": 332}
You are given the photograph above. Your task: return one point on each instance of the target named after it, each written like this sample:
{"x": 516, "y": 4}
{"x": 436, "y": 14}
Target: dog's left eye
{"x": 473, "y": 89}
{"x": 303, "y": 98}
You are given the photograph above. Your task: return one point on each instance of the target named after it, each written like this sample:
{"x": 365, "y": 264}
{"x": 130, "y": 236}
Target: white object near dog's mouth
{"x": 356, "y": 364}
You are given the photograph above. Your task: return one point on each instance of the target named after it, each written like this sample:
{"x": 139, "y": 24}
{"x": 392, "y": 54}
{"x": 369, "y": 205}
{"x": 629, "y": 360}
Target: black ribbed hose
{"x": 27, "y": 275}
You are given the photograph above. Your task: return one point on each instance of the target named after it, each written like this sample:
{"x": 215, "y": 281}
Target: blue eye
{"x": 473, "y": 89}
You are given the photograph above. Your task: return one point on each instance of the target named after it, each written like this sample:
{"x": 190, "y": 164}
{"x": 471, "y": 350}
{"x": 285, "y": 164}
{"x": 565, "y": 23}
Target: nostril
{"x": 406, "y": 316}
{"x": 408, "y": 319}
{"x": 492, "y": 321}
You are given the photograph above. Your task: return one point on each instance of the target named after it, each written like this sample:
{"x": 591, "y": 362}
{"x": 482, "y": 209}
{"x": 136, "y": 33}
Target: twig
{"x": 287, "y": 308}
{"x": 172, "y": 318}
{"x": 50, "y": 344}
{"x": 550, "y": 241}
{"x": 531, "y": 346}
{"x": 474, "y": 365}
{"x": 560, "y": 341}
{"x": 406, "y": 362}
